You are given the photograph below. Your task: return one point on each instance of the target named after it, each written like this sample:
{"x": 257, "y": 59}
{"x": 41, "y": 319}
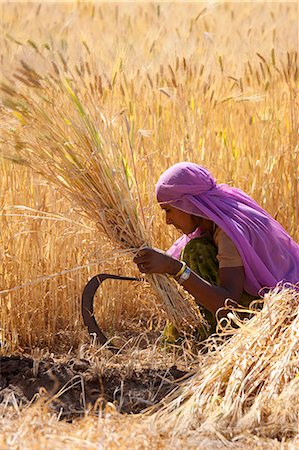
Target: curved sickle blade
{"x": 87, "y": 302}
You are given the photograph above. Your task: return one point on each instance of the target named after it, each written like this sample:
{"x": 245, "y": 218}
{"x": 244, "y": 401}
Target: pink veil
{"x": 269, "y": 254}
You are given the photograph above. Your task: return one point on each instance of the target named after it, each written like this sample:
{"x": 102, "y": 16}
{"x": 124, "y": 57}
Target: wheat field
{"x": 215, "y": 83}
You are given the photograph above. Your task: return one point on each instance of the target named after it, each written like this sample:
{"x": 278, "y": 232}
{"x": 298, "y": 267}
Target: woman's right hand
{"x": 151, "y": 260}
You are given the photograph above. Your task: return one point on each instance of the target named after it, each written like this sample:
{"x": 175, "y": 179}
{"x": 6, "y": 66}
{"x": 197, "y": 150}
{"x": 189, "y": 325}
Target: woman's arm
{"x": 231, "y": 279}
{"x": 231, "y": 284}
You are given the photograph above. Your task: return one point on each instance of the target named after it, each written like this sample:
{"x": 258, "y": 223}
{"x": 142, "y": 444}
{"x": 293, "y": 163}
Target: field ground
{"x": 89, "y": 385}
{"x": 132, "y": 380}
{"x": 92, "y": 402}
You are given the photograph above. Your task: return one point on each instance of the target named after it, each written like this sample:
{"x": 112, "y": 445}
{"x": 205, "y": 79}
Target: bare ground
{"x": 75, "y": 385}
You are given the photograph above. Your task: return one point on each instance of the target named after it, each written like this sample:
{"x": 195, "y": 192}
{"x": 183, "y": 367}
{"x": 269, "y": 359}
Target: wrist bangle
{"x": 185, "y": 275}
{"x": 184, "y": 265}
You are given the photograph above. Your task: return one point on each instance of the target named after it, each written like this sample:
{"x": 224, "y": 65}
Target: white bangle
{"x": 185, "y": 275}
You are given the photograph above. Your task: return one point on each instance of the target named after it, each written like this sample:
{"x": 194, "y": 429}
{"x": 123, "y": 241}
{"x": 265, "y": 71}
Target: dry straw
{"x": 251, "y": 382}
{"x": 73, "y": 146}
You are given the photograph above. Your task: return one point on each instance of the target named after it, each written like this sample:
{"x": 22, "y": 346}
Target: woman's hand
{"x": 151, "y": 260}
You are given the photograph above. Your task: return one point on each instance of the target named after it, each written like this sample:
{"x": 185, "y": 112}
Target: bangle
{"x": 184, "y": 265}
{"x": 185, "y": 275}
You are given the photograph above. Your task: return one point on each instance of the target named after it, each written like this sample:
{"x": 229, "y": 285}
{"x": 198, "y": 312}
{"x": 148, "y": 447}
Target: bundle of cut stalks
{"x": 74, "y": 147}
{"x": 251, "y": 382}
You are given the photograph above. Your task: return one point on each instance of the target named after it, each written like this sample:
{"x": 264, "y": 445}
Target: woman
{"x": 230, "y": 248}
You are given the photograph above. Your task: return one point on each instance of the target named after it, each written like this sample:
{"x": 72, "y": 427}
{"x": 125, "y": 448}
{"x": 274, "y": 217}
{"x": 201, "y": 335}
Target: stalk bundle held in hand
{"x": 73, "y": 146}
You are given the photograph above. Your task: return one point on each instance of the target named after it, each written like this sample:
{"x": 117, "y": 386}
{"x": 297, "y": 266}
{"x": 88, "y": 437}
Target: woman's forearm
{"x": 231, "y": 279}
{"x": 209, "y": 296}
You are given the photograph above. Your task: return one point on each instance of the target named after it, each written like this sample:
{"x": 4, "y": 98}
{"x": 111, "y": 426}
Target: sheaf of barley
{"x": 72, "y": 144}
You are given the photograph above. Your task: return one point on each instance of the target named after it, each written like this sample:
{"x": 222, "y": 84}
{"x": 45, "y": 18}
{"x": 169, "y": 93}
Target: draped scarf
{"x": 268, "y": 253}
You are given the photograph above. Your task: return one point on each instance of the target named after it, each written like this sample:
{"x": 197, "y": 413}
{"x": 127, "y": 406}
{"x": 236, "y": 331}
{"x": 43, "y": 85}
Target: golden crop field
{"x": 97, "y": 100}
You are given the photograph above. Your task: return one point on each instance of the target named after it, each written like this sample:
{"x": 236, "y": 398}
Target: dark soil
{"x": 77, "y": 385}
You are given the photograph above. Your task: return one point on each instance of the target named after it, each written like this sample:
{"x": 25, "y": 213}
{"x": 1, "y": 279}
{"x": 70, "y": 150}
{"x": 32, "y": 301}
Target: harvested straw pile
{"x": 251, "y": 382}
{"x": 36, "y": 428}
{"x": 74, "y": 147}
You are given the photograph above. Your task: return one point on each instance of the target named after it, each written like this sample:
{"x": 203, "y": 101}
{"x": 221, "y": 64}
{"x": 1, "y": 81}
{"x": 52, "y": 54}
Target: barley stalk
{"x": 59, "y": 139}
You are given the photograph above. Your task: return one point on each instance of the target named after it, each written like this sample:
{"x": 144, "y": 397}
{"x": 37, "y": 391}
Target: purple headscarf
{"x": 268, "y": 253}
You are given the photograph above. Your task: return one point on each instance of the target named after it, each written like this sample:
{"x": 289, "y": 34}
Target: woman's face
{"x": 187, "y": 223}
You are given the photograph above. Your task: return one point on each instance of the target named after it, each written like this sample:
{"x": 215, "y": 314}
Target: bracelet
{"x": 185, "y": 275}
{"x": 184, "y": 265}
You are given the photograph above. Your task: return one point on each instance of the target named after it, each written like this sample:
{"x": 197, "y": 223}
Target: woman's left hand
{"x": 151, "y": 260}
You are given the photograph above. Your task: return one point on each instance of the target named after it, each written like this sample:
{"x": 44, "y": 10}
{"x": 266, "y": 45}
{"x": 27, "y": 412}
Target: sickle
{"x": 87, "y": 303}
